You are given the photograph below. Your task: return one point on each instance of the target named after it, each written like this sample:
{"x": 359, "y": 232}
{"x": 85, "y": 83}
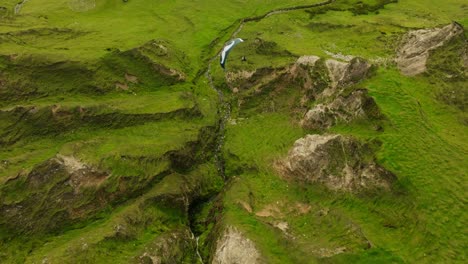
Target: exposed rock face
{"x": 309, "y": 60}
{"x": 60, "y": 190}
{"x": 266, "y": 88}
{"x": 336, "y": 70}
{"x": 343, "y": 107}
{"x": 176, "y": 246}
{"x": 63, "y": 190}
{"x": 336, "y": 161}
{"x": 241, "y": 75}
{"x": 356, "y": 70}
{"x": 309, "y": 73}
{"x": 416, "y": 46}
{"x": 233, "y": 248}
{"x": 315, "y": 79}
{"x": 346, "y": 73}
{"x": 357, "y": 105}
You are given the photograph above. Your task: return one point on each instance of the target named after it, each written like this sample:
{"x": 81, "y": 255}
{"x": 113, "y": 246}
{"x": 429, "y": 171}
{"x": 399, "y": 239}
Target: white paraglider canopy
{"x": 224, "y": 54}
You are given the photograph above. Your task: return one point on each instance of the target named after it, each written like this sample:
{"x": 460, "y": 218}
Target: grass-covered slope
{"x": 423, "y": 140}
{"x": 114, "y": 147}
{"x": 124, "y": 25}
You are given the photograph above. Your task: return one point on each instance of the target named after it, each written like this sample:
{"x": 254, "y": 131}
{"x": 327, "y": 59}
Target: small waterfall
{"x": 198, "y": 252}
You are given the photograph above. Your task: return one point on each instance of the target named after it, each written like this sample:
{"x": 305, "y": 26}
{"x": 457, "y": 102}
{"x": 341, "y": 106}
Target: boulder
{"x": 338, "y": 162}
{"x": 232, "y": 247}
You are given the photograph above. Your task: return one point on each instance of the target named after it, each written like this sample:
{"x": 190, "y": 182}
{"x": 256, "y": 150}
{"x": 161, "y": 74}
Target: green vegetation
{"x": 111, "y": 137}
{"x": 423, "y": 143}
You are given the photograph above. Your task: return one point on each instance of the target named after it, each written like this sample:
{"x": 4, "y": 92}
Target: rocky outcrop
{"x": 338, "y": 162}
{"x": 272, "y": 89}
{"x": 64, "y": 190}
{"x": 338, "y": 104}
{"x": 55, "y": 192}
{"x": 234, "y": 248}
{"x": 336, "y": 70}
{"x": 329, "y": 82}
{"x": 344, "y": 74}
{"x": 240, "y": 75}
{"x": 176, "y": 246}
{"x": 309, "y": 72}
{"x": 357, "y": 105}
{"x": 308, "y": 60}
{"x": 415, "y": 48}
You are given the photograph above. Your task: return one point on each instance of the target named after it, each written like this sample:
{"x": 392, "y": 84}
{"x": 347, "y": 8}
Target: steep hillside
{"x": 336, "y": 134}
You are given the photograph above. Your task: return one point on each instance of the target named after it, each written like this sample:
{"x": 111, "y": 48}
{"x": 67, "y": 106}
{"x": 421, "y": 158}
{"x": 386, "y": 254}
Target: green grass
{"x": 99, "y": 235}
{"x": 372, "y": 36}
{"x": 100, "y": 146}
{"x": 114, "y": 24}
{"x": 252, "y": 147}
{"x": 426, "y": 147}
{"x": 51, "y": 55}
{"x": 254, "y": 138}
{"x": 423, "y": 144}
{"x": 144, "y": 219}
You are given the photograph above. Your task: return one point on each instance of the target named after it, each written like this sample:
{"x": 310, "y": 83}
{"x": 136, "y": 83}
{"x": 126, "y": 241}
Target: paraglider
{"x": 228, "y": 49}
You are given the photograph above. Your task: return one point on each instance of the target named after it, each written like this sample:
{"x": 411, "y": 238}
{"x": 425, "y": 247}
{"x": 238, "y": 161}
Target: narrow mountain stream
{"x": 224, "y": 112}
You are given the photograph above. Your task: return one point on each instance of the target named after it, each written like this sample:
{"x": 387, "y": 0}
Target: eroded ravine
{"x": 195, "y": 186}
{"x": 224, "y": 108}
